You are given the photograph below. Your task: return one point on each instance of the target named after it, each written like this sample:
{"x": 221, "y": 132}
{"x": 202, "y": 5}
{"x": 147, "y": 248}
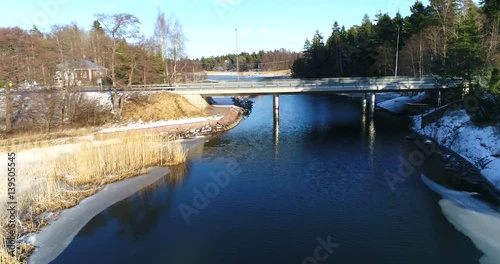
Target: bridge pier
{"x": 372, "y": 103}
{"x": 276, "y": 107}
{"x": 439, "y": 98}
{"x": 363, "y": 102}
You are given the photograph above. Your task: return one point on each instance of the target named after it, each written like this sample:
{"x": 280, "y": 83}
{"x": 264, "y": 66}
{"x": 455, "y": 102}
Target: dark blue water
{"x": 313, "y": 193}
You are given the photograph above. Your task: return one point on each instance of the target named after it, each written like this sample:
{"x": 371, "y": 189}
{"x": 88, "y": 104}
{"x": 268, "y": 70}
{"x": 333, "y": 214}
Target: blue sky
{"x": 209, "y": 25}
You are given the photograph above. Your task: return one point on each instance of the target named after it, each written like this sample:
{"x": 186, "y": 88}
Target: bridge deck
{"x": 293, "y": 86}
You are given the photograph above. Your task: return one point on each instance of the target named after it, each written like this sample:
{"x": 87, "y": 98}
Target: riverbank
{"x": 32, "y": 166}
{"x": 477, "y": 148}
{"x": 478, "y": 145}
{"x": 220, "y": 119}
{"x": 54, "y": 238}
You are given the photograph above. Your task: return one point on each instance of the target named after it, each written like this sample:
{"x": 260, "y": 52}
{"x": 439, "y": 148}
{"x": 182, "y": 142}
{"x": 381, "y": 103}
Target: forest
{"x": 273, "y": 60}
{"x": 446, "y": 37}
{"x": 115, "y": 42}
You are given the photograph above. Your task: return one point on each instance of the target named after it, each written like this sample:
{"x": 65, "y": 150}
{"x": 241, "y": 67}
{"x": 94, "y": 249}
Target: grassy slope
{"x": 160, "y": 106}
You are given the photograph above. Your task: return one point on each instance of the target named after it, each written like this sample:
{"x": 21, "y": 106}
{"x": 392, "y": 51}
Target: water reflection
{"x": 311, "y": 178}
{"x": 371, "y": 142}
{"x": 177, "y": 174}
{"x": 276, "y": 133}
{"x": 134, "y": 218}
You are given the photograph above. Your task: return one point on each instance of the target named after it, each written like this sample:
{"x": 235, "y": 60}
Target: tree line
{"x": 113, "y": 42}
{"x": 273, "y": 60}
{"x": 445, "y": 37}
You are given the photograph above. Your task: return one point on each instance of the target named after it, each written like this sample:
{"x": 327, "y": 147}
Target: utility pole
{"x": 397, "y": 55}
{"x": 237, "y": 59}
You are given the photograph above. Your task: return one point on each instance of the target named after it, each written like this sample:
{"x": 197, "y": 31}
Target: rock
{"x": 452, "y": 169}
{"x": 409, "y": 138}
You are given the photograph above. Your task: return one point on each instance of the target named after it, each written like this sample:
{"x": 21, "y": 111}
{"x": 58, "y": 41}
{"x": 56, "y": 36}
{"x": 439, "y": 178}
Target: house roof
{"x": 80, "y": 64}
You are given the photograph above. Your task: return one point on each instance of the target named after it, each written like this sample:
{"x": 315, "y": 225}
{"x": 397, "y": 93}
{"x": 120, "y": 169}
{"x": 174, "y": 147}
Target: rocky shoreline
{"x": 231, "y": 117}
{"x": 465, "y": 175}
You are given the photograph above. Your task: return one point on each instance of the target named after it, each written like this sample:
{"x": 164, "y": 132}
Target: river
{"x": 313, "y": 193}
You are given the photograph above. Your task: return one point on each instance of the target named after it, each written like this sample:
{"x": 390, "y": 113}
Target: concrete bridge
{"x": 294, "y": 86}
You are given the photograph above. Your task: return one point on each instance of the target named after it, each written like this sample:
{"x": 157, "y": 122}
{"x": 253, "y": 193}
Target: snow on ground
{"x": 140, "y": 125}
{"x": 397, "y": 104}
{"x": 479, "y": 145}
{"x": 104, "y": 99}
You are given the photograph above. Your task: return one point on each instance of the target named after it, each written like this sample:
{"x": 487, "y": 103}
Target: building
{"x": 81, "y": 72}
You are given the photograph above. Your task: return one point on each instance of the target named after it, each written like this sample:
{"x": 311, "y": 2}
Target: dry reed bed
{"x": 22, "y": 141}
{"x": 77, "y": 175}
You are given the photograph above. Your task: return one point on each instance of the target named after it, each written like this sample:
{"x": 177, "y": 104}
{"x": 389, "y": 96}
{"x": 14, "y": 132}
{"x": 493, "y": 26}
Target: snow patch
{"x": 492, "y": 172}
{"x": 103, "y": 99}
{"x": 478, "y": 145}
{"x": 397, "y": 105}
{"x": 140, "y": 124}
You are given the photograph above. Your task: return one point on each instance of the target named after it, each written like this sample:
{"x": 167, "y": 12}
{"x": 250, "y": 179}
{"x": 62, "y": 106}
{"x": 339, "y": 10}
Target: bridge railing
{"x": 361, "y": 84}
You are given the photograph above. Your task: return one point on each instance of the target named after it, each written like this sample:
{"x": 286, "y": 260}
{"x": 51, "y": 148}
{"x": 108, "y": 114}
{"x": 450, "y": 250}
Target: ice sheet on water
{"x": 472, "y": 217}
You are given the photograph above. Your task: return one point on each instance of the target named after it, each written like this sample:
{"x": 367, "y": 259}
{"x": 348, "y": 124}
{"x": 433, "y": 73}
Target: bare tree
{"x": 119, "y": 27}
{"x": 163, "y": 28}
{"x": 445, "y": 12}
{"x": 130, "y": 56}
{"x": 14, "y": 57}
{"x": 177, "y": 47}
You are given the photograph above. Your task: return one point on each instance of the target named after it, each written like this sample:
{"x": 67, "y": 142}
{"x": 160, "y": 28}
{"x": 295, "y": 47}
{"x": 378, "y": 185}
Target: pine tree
{"x": 465, "y": 57}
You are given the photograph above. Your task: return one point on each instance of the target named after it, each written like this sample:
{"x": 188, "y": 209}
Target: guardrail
{"x": 305, "y": 85}
{"x": 331, "y": 83}
{"x": 296, "y": 85}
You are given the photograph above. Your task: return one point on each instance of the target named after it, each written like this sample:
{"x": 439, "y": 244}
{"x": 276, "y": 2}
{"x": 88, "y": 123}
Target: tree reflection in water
{"x": 135, "y": 218}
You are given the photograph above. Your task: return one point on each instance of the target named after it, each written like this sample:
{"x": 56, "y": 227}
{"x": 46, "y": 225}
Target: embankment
{"x": 451, "y": 129}
{"x": 54, "y": 238}
{"x": 478, "y": 145}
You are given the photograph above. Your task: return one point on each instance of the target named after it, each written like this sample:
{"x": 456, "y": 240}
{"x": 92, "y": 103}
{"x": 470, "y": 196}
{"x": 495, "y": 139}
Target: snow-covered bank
{"x": 478, "y": 145}
{"x": 398, "y": 104}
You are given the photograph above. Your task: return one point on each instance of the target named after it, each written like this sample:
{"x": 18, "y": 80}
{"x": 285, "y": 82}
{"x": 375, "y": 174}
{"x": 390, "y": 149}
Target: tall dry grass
{"x": 28, "y": 140}
{"x": 79, "y": 174}
{"x": 120, "y": 158}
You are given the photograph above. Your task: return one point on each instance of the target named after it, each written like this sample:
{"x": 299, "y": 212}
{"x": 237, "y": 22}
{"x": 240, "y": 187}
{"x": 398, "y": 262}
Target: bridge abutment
{"x": 196, "y": 100}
